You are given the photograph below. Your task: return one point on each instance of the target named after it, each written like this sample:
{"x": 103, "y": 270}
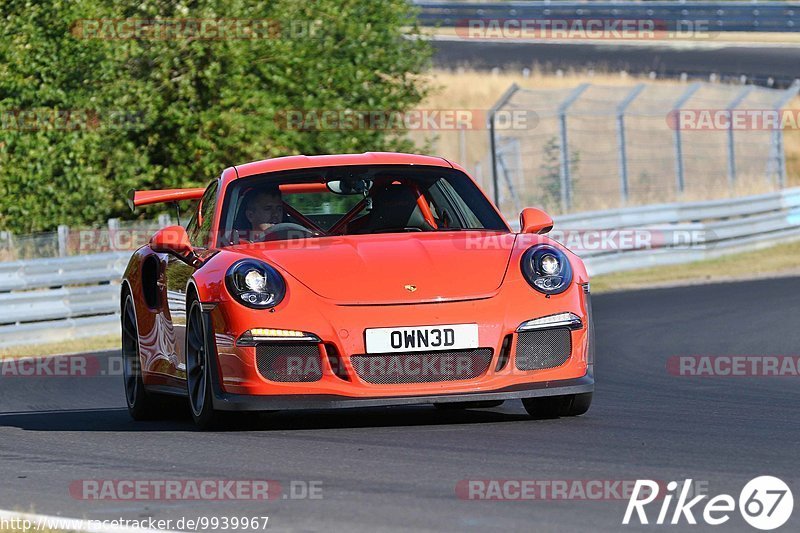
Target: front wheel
{"x": 555, "y": 406}
{"x": 198, "y": 369}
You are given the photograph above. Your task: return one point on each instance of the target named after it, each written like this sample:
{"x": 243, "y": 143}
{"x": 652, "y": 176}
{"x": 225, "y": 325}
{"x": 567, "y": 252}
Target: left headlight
{"x": 255, "y": 284}
{"x": 547, "y": 269}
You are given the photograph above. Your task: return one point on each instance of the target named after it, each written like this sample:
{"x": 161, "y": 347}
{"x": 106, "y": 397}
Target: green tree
{"x": 550, "y": 174}
{"x": 174, "y": 112}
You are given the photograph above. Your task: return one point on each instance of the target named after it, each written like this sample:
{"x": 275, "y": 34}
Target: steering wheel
{"x": 286, "y": 230}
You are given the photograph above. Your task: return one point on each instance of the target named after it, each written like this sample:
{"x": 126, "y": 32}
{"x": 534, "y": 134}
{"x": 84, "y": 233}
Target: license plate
{"x": 422, "y": 338}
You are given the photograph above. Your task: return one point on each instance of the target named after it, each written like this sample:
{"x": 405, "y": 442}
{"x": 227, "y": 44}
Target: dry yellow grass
{"x": 110, "y": 342}
{"x": 791, "y": 145}
{"x": 470, "y": 89}
{"x": 780, "y": 260}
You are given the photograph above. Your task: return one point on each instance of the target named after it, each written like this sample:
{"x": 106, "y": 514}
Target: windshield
{"x": 360, "y": 200}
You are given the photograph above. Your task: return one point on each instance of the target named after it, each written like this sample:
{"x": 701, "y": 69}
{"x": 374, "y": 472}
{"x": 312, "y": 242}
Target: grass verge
{"x": 109, "y": 342}
{"x": 775, "y": 261}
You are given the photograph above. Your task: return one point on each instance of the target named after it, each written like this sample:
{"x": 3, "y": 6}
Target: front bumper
{"x": 238, "y": 384}
{"x": 242, "y": 402}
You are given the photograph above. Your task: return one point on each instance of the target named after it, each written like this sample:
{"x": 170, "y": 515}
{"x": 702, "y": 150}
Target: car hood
{"x": 395, "y": 268}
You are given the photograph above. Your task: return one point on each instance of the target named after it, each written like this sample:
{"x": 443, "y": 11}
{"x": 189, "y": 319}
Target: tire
{"x": 482, "y": 404}
{"x": 556, "y": 406}
{"x": 142, "y": 405}
{"x": 198, "y": 369}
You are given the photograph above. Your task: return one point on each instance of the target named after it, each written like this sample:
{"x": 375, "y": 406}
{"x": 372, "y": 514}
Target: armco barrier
{"x": 49, "y": 300}
{"x": 725, "y": 226}
{"x": 716, "y": 16}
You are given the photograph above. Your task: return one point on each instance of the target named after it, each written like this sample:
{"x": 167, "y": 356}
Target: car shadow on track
{"x": 118, "y": 420}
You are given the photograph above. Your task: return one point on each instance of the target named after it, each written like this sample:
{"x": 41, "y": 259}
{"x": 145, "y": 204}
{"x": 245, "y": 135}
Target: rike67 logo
{"x": 765, "y": 503}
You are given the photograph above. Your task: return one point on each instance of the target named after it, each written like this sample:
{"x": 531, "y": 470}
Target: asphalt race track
{"x": 397, "y": 468}
{"x": 758, "y": 62}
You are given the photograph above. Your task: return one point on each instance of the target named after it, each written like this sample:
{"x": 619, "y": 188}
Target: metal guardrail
{"x": 49, "y": 300}
{"x": 704, "y": 230}
{"x": 60, "y": 272}
{"x": 716, "y": 16}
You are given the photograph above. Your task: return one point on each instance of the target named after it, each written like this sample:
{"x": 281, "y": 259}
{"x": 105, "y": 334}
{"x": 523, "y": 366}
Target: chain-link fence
{"x": 114, "y": 236}
{"x": 597, "y": 147}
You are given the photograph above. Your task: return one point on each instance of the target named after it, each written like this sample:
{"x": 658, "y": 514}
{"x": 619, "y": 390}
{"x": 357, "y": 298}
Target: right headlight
{"x": 255, "y": 284}
{"x": 546, "y": 269}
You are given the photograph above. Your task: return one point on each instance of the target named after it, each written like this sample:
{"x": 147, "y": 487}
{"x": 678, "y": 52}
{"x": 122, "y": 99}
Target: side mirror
{"x": 172, "y": 240}
{"x": 534, "y": 220}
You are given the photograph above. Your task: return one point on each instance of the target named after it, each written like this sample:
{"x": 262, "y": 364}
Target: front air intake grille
{"x": 422, "y": 367}
{"x": 289, "y": 362}
{"x": 505, "y": 353}
{"x": 545, "y": 348}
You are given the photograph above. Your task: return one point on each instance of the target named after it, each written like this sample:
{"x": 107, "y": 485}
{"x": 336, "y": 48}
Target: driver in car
{"x": 266, "y": 217}
{"x": 264, "y": 208}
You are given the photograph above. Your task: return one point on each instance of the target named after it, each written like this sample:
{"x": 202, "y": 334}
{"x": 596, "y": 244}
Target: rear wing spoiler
{"x": 138, "y": 198}
{"x": 167, "y": 196}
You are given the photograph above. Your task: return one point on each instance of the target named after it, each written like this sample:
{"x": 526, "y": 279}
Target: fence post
{"x": 164, "y": 220}
{"x": 63, "y": 240}
{"x": 520, "y": 165}
{"x": 779, "y": 156}
{"x": 740, "y": 96}
{"x": 566, "y": 181}
{"x": 623, "y": 153}
{"x": 8, "y": 238}
{"x": 675, "y": 112}
{"x": 493, "y": 137}
{"x": 462, "y": 147}
{"x": 512, "y": 144}
{"x": 113, "y": 227}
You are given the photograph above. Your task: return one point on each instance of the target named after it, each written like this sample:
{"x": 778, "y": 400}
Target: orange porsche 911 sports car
{"x": 353, "y": 280}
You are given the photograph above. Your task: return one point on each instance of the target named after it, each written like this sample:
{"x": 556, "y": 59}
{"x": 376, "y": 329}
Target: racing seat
{"x": 394, "y": 206}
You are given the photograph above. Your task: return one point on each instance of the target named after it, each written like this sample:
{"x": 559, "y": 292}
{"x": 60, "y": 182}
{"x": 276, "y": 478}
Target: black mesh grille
{"x": 422, "y": 367}
{"x": 546, "y": 348}
{"x": 289, "y": 362}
